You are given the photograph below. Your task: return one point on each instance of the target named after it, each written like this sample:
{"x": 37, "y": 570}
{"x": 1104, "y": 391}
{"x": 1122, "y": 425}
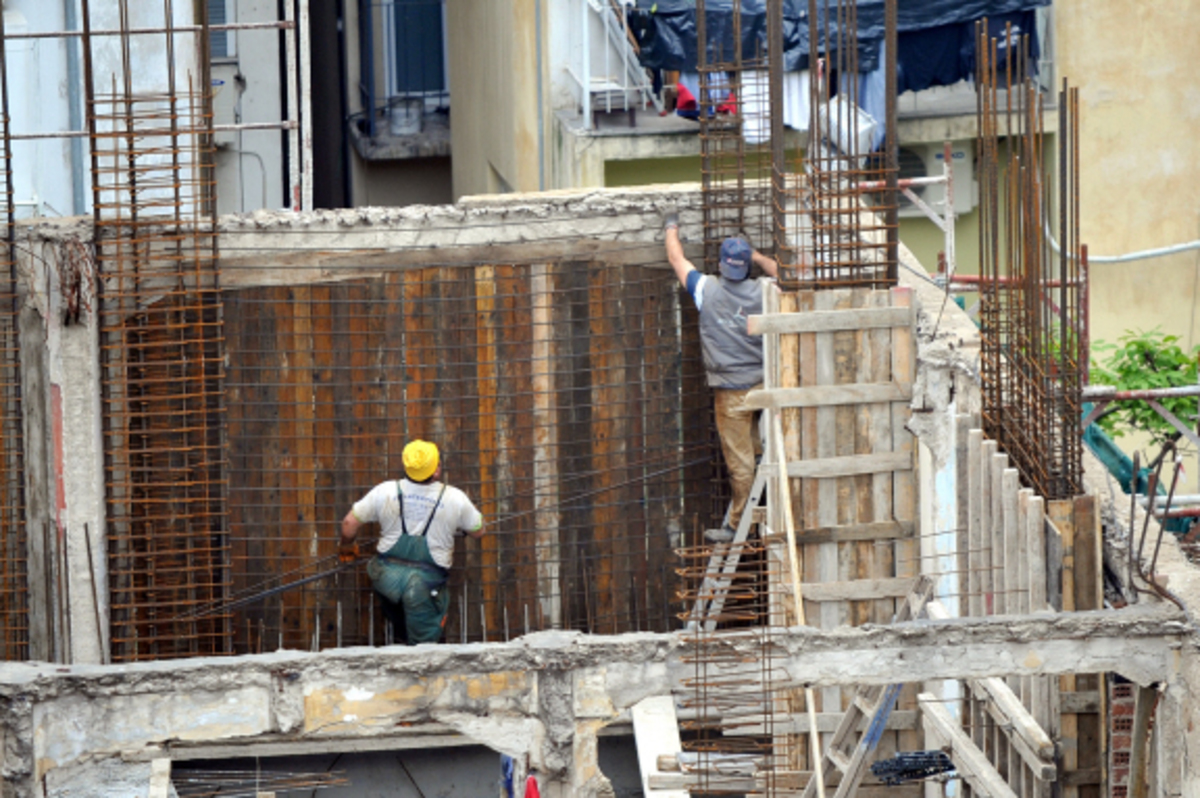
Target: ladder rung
{"x": 865, "y": 704}
{"x": 839, "y": 759}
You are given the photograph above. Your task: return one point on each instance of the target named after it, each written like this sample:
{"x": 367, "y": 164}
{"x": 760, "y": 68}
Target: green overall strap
{"x": 432, "y": 513}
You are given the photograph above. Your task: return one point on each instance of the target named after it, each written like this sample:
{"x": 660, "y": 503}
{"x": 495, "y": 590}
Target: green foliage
{"x": 1142, "y": 360}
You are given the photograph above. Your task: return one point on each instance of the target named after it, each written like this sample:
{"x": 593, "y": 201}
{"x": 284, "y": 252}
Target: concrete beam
{"x": 539, "y": 692}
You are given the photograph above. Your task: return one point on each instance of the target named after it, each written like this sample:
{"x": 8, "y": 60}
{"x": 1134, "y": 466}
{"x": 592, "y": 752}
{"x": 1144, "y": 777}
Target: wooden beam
{"x": 970, "y": 762}
{"x": 655, "y": 734}
{"x": 1144, "y": 703}
{"x": 844, "y": 466}
{"x": 858, "y": 589}
{"x": 828, "y": 395}
{"x": 820, "y": 321}
{"x": 1080, "y": 778}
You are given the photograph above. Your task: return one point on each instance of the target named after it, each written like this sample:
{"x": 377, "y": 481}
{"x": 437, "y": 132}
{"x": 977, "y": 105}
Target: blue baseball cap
{"x": 735, "y": 258}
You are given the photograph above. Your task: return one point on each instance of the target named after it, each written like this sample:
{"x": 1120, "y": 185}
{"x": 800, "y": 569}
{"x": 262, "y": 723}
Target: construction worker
{"x": 418, "y": 517}
{"x": 733, "y": 359}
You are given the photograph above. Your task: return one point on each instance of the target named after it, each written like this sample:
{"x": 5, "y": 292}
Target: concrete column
{"x": 65, "y": 495}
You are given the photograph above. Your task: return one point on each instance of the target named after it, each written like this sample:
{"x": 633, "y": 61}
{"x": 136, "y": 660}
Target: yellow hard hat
{"x": 420, "y": 460}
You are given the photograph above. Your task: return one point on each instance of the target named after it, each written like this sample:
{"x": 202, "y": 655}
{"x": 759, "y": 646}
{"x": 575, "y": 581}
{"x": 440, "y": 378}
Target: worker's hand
{"x": 347, "y": 552}
{"x": 671, "y": 219}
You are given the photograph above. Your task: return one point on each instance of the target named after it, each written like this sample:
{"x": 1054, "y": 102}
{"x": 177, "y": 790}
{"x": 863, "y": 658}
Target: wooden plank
{"x": 487, "y": 451}
{"x": 850, "y": 533}
{"x": 1035, "y": 545}
{"x": 830, "y": 615}
{"x": 636, "y": 545}
{"x": 1020, "y": 544}
{"x": 845, "y": 466}
{"x": 1143, "y": 709}
{"x": 1074, "y": 779}
{"x": 826, "y": 395}
{"x": 655, "y": 734}
{"x": 322, "y": 465}
{"x": 987, "y": 574}
{"x": 859, "y": 589}
{"x": 901, "y": 558}
{"x": 1080, "y": 701}
{"x": 1054, "y": 565}
{"x": 514, "y": 434}
{"x": 1000, "y": 571}
{"x": 971, "y": 763}
{"x": 782, "y": 358}
{"x": 823, "y": 321}
{"x": 973, "y": 578}
{"x": 962, "y": 537}
{"x": 1062, "y": 517}
{"x": 545, "y": 453}
{"x": 608, "y": 450}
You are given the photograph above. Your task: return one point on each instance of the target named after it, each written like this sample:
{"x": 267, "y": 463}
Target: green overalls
{"x": 407, "y": 575}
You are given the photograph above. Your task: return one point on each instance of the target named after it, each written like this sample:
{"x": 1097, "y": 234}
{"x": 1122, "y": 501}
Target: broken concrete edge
{"x": 546, "y": 695}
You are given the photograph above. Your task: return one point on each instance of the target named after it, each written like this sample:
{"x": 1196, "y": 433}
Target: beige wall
{"x": 493, "y": 90}
{"x": 1137, "y": 65}
{"x": 411, "y": 181}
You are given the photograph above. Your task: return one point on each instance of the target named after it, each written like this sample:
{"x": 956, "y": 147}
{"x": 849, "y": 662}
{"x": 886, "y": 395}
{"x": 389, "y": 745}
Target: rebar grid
{"x": 14, "y": 540}
{"x": 162, "y": 351}
{"x": 1033, "y": 322}
{"x": 814, "y": 219}
{"x": 844, "y": 236}
{"x": 568, "y": 403}
{"x": 735, "y": 692}
{"x": 735, "y": 134}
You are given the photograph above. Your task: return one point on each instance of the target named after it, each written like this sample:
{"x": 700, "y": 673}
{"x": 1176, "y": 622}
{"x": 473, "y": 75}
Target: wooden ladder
{"x": 848, "y": 751}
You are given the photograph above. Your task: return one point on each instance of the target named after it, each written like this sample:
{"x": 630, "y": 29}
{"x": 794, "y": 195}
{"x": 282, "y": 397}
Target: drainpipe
{"x": 75, "y": 110}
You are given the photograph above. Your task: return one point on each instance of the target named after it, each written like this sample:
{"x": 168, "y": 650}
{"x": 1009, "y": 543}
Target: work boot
{"x": 723, "y": 535}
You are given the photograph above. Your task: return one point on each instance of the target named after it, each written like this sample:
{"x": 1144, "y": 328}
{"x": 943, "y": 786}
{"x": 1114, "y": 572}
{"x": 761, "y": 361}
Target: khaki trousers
{"x": 737, "y": 426}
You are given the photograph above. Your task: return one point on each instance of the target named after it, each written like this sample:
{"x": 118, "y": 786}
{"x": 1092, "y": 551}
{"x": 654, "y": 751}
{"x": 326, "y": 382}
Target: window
{"x": 221, "y": 43}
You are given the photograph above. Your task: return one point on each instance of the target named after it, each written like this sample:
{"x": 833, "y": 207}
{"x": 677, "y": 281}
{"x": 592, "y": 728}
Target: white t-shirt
{"x": 455, "y": 515}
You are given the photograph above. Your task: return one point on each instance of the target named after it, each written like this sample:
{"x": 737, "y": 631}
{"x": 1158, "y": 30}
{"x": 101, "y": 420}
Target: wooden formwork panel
{"x": 1020, "y": 554}
{"x": 568, "y": 401}
{"x": 853, "y": 493}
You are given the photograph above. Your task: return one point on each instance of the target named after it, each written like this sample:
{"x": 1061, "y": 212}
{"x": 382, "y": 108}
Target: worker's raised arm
{"x": 768, "y": 265}
{"x": 679, "y": 262}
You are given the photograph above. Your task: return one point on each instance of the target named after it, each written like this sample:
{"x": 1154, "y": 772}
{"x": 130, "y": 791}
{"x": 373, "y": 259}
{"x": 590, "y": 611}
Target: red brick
{"x": 1122, "y": 742}
{"x": 1122, "y": 708}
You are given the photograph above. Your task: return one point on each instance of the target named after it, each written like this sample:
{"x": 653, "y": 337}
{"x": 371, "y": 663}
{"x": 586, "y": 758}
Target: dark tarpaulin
{"x": 666, "y": 29}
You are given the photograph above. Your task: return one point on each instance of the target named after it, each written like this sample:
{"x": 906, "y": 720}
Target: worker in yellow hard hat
{"x": 418, "y": 517}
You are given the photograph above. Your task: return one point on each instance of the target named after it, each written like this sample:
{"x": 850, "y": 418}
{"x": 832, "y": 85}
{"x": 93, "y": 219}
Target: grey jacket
{"x": 732, "y": 357}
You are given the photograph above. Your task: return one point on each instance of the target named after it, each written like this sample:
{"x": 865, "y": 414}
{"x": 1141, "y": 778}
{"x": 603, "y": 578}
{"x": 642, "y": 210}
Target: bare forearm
{"x": 675, "y": 256}
{"x": 350, "y": 527}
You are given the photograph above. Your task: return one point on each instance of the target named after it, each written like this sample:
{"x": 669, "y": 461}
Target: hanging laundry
{"x": 756, "y": 107}
{"x": 531, "y": 787}
{"x": 797, "y": 107}
{"x": 872, "y": 98}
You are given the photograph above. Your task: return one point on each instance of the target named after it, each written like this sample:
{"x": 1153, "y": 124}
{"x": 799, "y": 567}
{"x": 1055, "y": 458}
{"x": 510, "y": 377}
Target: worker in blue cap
{"x": 733, "y": 359}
